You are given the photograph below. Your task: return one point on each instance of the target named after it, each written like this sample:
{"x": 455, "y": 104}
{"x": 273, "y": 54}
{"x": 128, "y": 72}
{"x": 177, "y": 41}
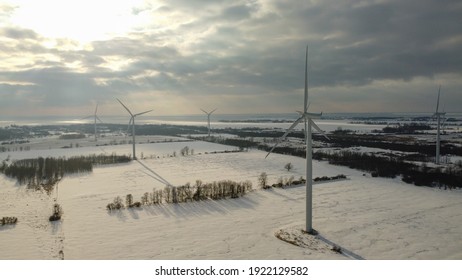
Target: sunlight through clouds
{"x": 81, "y": 20}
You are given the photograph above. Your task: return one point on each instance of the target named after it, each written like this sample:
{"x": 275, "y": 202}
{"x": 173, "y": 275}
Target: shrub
{"x": 290, "y": 180}
{"x": 337, "y": 249}
{"x": 288, "y": 166}
{"x": 117, "y": 204}
{"x": 136, "y": 204}
{"x": 8, "y": 221}
{"x": 57, "y": 213}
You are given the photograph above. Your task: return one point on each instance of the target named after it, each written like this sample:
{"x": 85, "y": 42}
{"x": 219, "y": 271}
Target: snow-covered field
{"x": 373, "y": 217}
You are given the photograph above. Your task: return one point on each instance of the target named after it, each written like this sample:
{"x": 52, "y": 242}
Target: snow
{"x": 163, "y": 149}
{"x": 375, "y": 218}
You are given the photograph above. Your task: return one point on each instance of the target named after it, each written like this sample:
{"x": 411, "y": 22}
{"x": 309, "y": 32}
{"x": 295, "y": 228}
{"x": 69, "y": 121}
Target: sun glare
{"x": 82, "y": 20}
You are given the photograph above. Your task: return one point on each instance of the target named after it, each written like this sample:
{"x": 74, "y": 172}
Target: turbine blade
{"x": 99, "y": 119}
{"x": 213, "y": 111}
{"x": 204, "y": 111}
{"x": 438, "y": 101}
{"x": 96, "y": 110}
{"x": 305, "y": 107}
{"x": 129, "y": 123}
{"x": 313, "y": 124}
{"x": 142, "y": 113}
{"x": 125, "y": 107}
{"x": 87, "y": 117}
{"x": 294, "y": 124}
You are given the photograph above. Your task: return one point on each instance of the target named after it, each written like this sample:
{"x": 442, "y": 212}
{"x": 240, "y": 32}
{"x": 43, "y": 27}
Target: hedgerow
{"x": 186, "y": 193}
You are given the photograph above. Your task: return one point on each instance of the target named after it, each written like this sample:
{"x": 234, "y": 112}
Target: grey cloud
{"x": 19, "y": 33}
{"x": 58, "y": 86}
{"x": 237, "y": 12}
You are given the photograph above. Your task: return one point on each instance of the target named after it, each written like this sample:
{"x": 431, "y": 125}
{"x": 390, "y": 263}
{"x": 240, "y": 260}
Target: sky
{"x": 242, "y": 56}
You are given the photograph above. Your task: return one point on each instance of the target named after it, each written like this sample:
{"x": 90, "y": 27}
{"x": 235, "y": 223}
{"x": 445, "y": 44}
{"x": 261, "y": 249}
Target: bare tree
{"x": 129, "y": 200}
{"x": 263, "y": 179}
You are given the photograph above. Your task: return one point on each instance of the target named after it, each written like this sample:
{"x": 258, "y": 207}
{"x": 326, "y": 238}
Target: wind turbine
{"x": 438, "y": 116}
{"x": 96, "y": 118}
{"x": 208, "y": 118}
{"x": 309, "y": 123}
{"x": 132, "y": 122}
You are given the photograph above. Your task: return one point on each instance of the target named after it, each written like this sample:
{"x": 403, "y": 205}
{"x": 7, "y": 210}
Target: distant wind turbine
{"x": 96, "y": 118}
{"x": 208, "y": 118}
{"x": 438, "y": 116}
{"x": 132, "y": 122}
{"x": 309, "y": 123}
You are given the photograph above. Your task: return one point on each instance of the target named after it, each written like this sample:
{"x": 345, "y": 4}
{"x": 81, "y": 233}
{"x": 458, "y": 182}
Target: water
{"x": 329, "y": 121}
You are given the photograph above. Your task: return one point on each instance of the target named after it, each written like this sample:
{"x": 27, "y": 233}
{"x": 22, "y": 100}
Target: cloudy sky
{"x": 241, "y": 56}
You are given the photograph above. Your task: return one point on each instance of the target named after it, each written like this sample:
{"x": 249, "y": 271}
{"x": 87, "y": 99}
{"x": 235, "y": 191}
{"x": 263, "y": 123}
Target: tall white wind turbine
{"x": 438, "y": 116}
{"x": 309, "y": 123}
{"x": 132, "y": 122}
{"x": 96, "y": 118}
{"x": 208, "y": 118}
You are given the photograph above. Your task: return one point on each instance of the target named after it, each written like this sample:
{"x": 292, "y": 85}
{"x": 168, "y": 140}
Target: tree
{"x": 145, "y": 199}
{"x": 263, "y": 179}
{"x": 288, "y": 166}
{"x": 185, "y": 151}
{"x": 129, "y": 200}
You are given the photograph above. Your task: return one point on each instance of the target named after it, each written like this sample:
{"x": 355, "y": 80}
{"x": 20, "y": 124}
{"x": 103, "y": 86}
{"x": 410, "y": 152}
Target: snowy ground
{"x": 374, "y": 218}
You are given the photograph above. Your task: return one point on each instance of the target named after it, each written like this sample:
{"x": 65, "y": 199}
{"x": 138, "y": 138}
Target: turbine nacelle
{"x": 310, "y": 115}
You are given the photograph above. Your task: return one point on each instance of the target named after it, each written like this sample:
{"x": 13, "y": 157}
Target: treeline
{"x": 290, "y": 181}
{"x": 379, "y": 166}
{"x": 451, "y": 178}
{"x": 392, "y": 167}
{"x": 186, "y": 193}
{"x": 71, "y": 136}
{"x": 299, "y": 152}
{"x": 388, "y": 167}
{"x": 202, "y": 191}
{"x": 237, "y": 142}
{"x": 388, "y": 143}
{"x": 48, "y": 170}
{"x": 407, "y": 128}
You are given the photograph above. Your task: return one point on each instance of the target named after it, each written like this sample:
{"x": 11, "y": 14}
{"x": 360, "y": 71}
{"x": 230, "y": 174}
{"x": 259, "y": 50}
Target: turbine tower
{"x": 438, "y": 116}
{"x": 96, "y": 118}
{"x": 309, "y": 123}
{"x": 132, "y": 122}
{"x": 208, "y": 118}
